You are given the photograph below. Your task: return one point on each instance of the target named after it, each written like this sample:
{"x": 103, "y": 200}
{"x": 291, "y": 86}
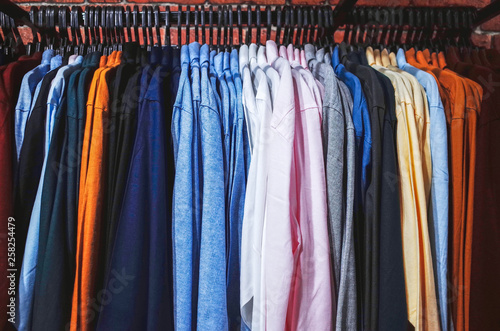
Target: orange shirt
{"x": 91, "y": 192}
{"x": 462, "y": 105}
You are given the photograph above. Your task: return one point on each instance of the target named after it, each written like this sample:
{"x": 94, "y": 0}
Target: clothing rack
{"x": 259, "y": 16}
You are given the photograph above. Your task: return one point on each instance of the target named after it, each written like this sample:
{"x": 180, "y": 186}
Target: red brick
{"x": 50, "y": 1}
{"x": 492, "y": 25}
{"x": 384, "y": 3}
{"x": 104, "y": 1}
{"x": 481, "y": 40}
{"x": 258, "y": 2}
{"x": 26, "y": 34}
{"x": 307, "y": 2}
{"x": 449, "y": 3}
{"x": 184, "y": 2}
{"x": 495, "y": 42}
{"x": 339, "y": 36}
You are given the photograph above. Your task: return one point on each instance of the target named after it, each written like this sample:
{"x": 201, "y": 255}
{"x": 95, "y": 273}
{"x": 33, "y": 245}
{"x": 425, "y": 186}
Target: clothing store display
{"x": 295, "y": 183}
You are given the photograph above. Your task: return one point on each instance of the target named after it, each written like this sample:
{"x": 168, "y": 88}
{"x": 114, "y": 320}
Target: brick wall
{"x": 487, "y": 35}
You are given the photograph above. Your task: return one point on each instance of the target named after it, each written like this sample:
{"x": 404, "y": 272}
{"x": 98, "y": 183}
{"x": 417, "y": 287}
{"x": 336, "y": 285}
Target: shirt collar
{"x": 400, "y": 58}
{"x": 47, "y": 56}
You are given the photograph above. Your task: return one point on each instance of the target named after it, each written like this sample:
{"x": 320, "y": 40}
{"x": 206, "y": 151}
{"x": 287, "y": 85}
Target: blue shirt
{"x": 440, "y": 177}
{"x": 236, "y": 195}
{"x": 184, "y": 204}
{"x": 28, "y": 269}
{"x": 225, "y": 112}
{"x": 141, "y": 303}
{"x": 361, "y": 121}
{"x": 212, "y": 300}
{"x": 239, "y": 106}
{"x": 26, "y": 97}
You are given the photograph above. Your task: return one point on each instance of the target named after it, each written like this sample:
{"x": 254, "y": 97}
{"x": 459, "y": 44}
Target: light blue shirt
{"x": 28, "y": 269}
{"x": 26, "y": 97}
{"x": 439, "y": 184}
{"x": 185, "y": 207}
{"x": 212, "y": 300}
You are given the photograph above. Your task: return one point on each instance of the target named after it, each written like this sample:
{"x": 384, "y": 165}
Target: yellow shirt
{"x": 413, "y": 147}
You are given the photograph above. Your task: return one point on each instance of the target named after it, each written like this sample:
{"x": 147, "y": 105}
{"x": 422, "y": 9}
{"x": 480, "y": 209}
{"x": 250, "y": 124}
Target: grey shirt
{"x": 338, "y": 149}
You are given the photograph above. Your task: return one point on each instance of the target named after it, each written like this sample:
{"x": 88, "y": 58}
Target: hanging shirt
{"x": 92, "y": 179}
{"x": 340, "y": 225}
{"x": 28, "y": 270}
{"x": 212, "y": 306}
{"x": 310, "y": 306}
{"x": 278, "y": 244}
{"x": 273, "y": 78}
{"x": 122, "y": 130}
{"x": 461, "y": 103}
{"x": 186, "y": 205}
{"x": 484, "y": 287}
{"x": 413, "y": 141}
{"x": 28, "y": 86}
{"x": 30, "y": 164}
{"x": 439, "y": 184}
{"x": 147, "y": 291}
{"x": 58, "y": 216}
{"x": 226, "y": 117}
{"x": 236, "y": 199}
{"x": 359, "y": 118}
{"x": 251, "y": 301}
{"x": 248, "y": 97}
{"x": 10, "y": 83}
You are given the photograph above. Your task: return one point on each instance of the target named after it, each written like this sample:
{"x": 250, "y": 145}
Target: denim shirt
{"x": 26, "y": 96}
{"x": 28, "y": 269}
{"x": 212, "y": 300}
{"x": 184, "y": 206}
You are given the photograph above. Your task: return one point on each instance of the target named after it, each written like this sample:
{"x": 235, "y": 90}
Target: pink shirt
{"x": 296, "y": 265}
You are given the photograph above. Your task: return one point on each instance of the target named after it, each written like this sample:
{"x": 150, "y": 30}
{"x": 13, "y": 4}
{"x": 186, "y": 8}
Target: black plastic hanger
{"x": 144, "y": 22}
{"x": 240, "y": 25}
{"x": 258, "y": 23}
{"x": 248, "y": 37}
{"x": 300, "y": 28}
{"x": 311, "y": 23}
{"x": 305, "y": 29}
{"x": 104, "y": 28}
{"x": 187, "y": 29}
{"x": 78, "y": 45}
{"x": 167, "y": 26}
{"x": 330, "y": 28}
{"x": 119, "y": 27}
{"x": 135, "y": 23}
{"x": 156, "y": 25}
{"x": 90, "y": 35}
{"x": 226, "y": 27}
{"x": 321, "y": 29}
{"x": 127, "y": 25}
{"x": 112, "y": 28}
{"x": 211, "y": 27}
{"x": 149, "y": 17}
{"x": 179, "y": 27}
{"x": 203, "y": 27}
{"x": 269, "y": 23}
{"x": 349, "y": 30}
{"x": 219, "y": 31}
{"x": 286, "y": 32}
{"x": 397, "y": 41}
{"x": 30, "y": 47}
{"x": 279, "y": 12}
{"x": 231, "y": 32}
{"x": 196, "y": 23}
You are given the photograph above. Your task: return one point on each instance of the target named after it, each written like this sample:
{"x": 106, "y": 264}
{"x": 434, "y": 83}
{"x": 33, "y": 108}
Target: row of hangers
{"x": 392, "y": 28}
{"x": 107, "y": 28}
